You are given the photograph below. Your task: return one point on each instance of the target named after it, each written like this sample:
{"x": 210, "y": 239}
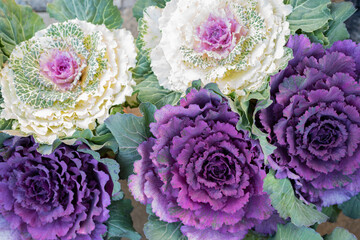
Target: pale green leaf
{"x": 140, "y": 5}
{"x": 142, "y": 70}
{"x": 100, "y": 140}
{"x": 283, "y": 199}
{"x": 149, "y": 90}
{"x": 309, "y": 15}
{"x": 93, "y": 11}
{"x": 340, "y": 12}
{"x": 291, "y": 232}
{"x": 156, "y": 229}
{"x": 120, "y": 223}
{"x": 130, "y": 131}
{"x": 17, "y": 24}
{"x": 351, "y": 208}
{"x": 340, "y": 234}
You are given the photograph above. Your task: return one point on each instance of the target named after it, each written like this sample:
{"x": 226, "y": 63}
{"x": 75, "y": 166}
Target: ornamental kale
{"x": 65, "y": 78}
{"x": 62, "y": 195}
{"x": 200, "y": 170}
{"x": 314, "y": 121}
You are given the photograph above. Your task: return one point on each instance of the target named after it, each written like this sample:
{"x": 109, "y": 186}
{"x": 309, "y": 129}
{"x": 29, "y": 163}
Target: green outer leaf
{"x": 155, "y": 229}
{"x": 142, "y": 70}
{"x": 291, "y": 232}
{"x": 332, "y": 212}
{"x": 17, "y": 24}
{"x": 130, "y": 131}
{"x": 283, "y": 199}
{"x": 101, "y": 140}
{"x": 3, "y": 57}
{"x": 140, "y": 5}
{"x": 120, "y": 223}
{"x": 340, "y": 234}
{"x": 149, "y": 90}
{"x": 247, "y": 108}
{"x": 148, "y": 111}
{"x": 309, "y": 15}
{"x": 3, "y": 137}
{"x": 6, "y": 124}
{"x": 94, "y": 11}
{"x": 254, "y": 236}
{"x": 351, "y": 208}
{"x": 340, "y": 12}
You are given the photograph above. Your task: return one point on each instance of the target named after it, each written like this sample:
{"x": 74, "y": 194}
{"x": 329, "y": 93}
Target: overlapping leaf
{"x": 340, "y": 234}
{"x": 322, "y": 20}
{"x": 156, "y": 229}
{"x": 149, "y": 90}
{"x": 290, "y": 231}
{"x": 283, "y": 199}
{"x": 140, "y": 5}
{"x": 120, "y": 223}
{"x": 351, "y": 208}
{"x": 17, "y": 24}
{"x": 129, "y": 132}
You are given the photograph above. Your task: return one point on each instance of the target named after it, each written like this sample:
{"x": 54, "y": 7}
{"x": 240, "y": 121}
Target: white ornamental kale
{"x": 235, "y": 43}
{"x": 67, "y": 77}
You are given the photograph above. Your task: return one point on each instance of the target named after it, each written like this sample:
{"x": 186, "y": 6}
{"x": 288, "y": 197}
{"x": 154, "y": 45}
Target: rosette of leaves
{"x": 234, "y": 43}
{"x": 135, "y": 135}
{"x": 66, "y": 77}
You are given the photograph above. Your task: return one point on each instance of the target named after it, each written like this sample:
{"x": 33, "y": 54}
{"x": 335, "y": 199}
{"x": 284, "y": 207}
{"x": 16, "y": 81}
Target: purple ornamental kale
{"x": 6, "y": 233}
{"x": 60, "y": 196}
{"x": 200, "y": 170}
{"x": 314, "y": 121}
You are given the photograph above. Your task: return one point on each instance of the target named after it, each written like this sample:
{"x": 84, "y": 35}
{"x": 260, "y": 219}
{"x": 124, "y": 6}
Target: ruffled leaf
{"x": 340, "y": 12}
{"x": 120, "y": 223}
{"x": 351, "y": 208}
{"x": 17, "y": 24}
{"x": 156, "y": 229}
{"x": 129, "y": 131}
{"x": 100, "y": 140}
{"x": 149, "y": 90}
{"x": 283, "y": 199}
{"x": 114, "y": 170}
{"x": 290, "y": 231}
{"x": 94, "y": 11}
{"x": 140, "y": 5}
{"x": 340, "y": 233}
{"x": 247, "y": 108}
{"x": 142, "y": 70}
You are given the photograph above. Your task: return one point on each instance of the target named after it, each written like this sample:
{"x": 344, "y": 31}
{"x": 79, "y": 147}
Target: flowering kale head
{"x": 62, "y": 195}
{"x": 200, "y": 170}
{"x": 314, "y": 121}
{"x": 219, "y": 35}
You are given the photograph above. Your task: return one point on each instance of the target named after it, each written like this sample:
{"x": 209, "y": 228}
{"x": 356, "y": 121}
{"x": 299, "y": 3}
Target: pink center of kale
{"x": 60, "y": 67}
{"x": 219, "y": 35}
